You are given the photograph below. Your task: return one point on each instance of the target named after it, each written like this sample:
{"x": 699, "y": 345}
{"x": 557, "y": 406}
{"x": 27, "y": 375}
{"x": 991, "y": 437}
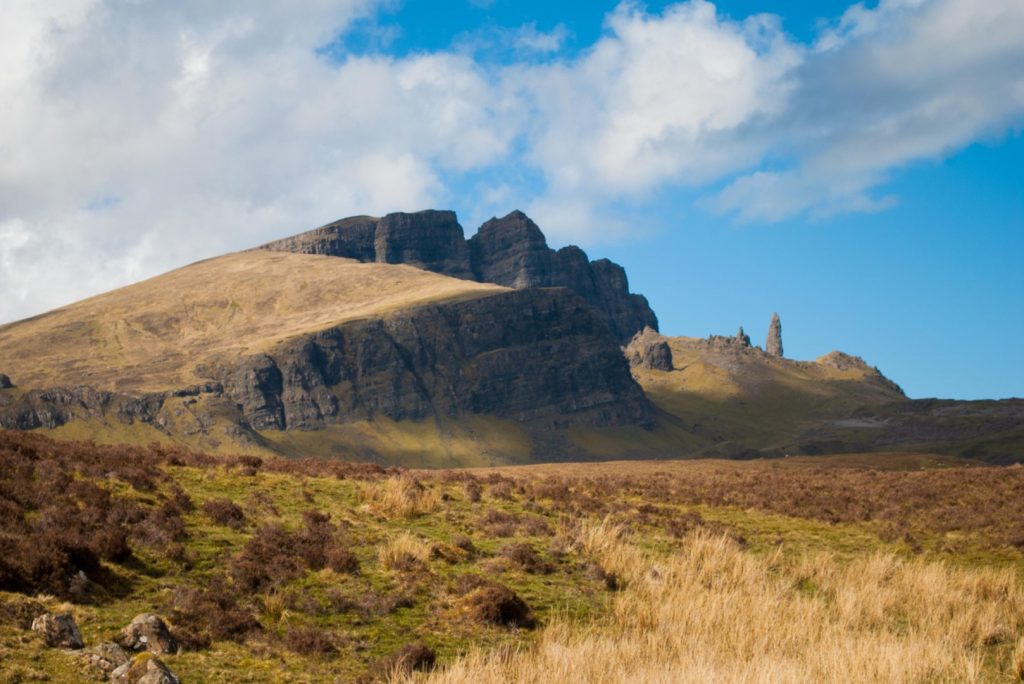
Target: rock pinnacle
{"x": 773, "y": 345}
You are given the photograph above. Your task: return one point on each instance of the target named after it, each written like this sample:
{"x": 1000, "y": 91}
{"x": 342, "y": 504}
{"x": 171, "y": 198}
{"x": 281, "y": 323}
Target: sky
{"x": 855, "y": 167}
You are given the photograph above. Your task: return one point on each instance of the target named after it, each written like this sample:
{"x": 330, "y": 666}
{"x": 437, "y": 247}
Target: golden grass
{"x": 743, "y": 395}
{"x": 401, "y": 496}
{"x": 403, "y": 551}
{"x": 714, "y": 613}
{"x": 152, "y": 335}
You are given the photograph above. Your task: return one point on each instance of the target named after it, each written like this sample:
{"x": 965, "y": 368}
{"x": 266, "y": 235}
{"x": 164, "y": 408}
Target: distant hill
{"x": 742, "y": 401}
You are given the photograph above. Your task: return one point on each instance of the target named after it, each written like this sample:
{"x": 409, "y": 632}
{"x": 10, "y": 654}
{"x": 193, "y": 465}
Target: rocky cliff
{"x": 510, "y": 251}
{"x": 540, "y": 357}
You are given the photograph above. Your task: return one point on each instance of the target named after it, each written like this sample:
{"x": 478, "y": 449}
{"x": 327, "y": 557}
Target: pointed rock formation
{"x": 742, "y": 337}
{"x": 773, "y": 345}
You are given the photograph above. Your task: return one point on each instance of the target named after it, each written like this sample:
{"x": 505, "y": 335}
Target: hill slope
{"x": 311, "y": 354}
{"x": 152, "y": 336}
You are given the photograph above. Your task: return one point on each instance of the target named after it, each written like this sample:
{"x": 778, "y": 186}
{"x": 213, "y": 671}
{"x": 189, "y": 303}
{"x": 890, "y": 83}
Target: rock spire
{"x": 742, "y": 337}
{"x": 773, "y": 345}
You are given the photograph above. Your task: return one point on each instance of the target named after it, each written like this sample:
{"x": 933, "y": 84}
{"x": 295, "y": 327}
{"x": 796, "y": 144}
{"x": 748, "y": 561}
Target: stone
{"x": 743, "y": 338}
{"x": 5, "y": 382}
{"x": 105, "y": 657}
{"x": 58, "y": 630}
{"x": 773, "y": 345}
{"x": 509, "y": 251}
{"x": 649, "y": 350}
{"x": 148, "y": 632}
{"x": 144, "y": 668}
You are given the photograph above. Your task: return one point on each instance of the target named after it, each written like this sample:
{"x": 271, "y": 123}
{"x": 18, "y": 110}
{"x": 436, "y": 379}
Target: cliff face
{"x": 536, "y": 356}
{"x": 540, "y": 357}
{"x": 510, "y": 251}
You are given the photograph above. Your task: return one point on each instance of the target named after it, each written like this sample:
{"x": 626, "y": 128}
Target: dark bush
{"x": 491, "y": 602}
{"x": 525, "y": 558}
{"x": 224, "y": 512}
{"x": 415, "y": 656}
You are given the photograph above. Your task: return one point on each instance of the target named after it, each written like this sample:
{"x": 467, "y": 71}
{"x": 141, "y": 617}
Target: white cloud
{"x": 138, "y": 136}
{"x": 909, "y": 80}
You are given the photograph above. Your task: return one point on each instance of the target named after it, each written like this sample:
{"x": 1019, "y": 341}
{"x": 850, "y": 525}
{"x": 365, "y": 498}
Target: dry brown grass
{"x": 154, "y": 334}
{"x": 404, "y": 552}
{"x": 400, "y": 496}
{"x": 714, "y": 613}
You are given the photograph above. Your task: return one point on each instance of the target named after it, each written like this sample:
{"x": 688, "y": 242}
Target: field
{"x": 881, "y": 567}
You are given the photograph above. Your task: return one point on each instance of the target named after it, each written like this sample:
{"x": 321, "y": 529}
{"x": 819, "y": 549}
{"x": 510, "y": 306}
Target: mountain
{"x": 509, "y": 251}
{"x": 311, "y": 353}
{"x": 396, "y": 339}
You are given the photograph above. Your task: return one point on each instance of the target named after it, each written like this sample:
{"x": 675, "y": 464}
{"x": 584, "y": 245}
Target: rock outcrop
{"x": 510, "y": 251}
{"x": 773, "y": 345}
{"x": 143, "y": 669}
{"x": 148, "y": 632}
{"x": 58, "y": 630}
{"x": 104, "y": 658}
{"x": 539, "y": 356}
{"x": 649, "y": 350}
{"x": 742, "y": 338}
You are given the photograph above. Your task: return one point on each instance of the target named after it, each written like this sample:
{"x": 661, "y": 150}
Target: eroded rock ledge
{"x": 509, "y": 251}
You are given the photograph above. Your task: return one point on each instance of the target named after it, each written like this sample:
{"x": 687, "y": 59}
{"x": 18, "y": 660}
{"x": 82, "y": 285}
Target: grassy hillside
{"x": 730, "y": 398}
{"x": 154, "y": 335}
{"x": 798, "y": 570}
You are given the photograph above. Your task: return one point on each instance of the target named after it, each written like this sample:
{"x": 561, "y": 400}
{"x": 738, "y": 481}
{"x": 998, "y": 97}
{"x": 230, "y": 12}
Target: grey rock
{"x": 649, "y": 350}
{"x": 773, "y": 345}
{"x": 5, "y": 382}
{"x": 510, "y": 251}
{"x": 105, "y": 657}
{"x": 143, "y": 669}
{"x": 148, "y": 632}
{"x": 742, "y": 338}
{"x": 431, "y": 240}
{"x": 539, "y": 356}
{"x": 58, "y": 630}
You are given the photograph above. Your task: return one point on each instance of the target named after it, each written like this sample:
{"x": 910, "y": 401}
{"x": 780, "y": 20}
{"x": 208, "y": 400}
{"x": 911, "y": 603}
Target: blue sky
{"x": 854, "y": 167}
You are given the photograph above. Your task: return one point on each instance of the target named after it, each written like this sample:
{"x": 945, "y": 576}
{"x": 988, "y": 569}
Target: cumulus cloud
{"x": 135, "y": 137}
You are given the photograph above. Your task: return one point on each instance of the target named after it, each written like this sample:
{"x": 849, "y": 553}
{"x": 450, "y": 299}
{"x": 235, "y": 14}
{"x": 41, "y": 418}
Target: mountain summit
{"x": 509, "y": 251}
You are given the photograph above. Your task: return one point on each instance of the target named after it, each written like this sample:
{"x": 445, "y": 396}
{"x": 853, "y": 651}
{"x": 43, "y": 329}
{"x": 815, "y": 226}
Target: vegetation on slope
{"x": 295, "y": 570}
{"x": 156, "y": 335}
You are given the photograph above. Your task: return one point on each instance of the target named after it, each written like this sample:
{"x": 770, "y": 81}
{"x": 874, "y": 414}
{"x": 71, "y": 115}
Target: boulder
{"x": 144, "y": 668}
{"x": 105, "y": 657}
{"x": 5, "y": 382}
{"x": 58, "y": 630}
{"x": 148, "y": 632}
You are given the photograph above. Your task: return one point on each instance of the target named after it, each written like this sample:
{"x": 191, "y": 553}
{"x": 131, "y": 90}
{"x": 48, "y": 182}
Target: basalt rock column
{"x": 773, "y": 345}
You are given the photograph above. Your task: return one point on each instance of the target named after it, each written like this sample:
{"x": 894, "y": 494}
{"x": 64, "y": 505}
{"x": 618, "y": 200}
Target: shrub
{"x": 309, "y": 641}
{"x": 224, "y": 512}
{"x": 415, "y": 656}
{"x": 491, "y": 602}
{"x": 525, "y": 558}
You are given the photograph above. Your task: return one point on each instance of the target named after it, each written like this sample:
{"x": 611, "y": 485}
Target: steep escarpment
{"x": 509, "y": 251}
{"x": 534, "y": 356}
